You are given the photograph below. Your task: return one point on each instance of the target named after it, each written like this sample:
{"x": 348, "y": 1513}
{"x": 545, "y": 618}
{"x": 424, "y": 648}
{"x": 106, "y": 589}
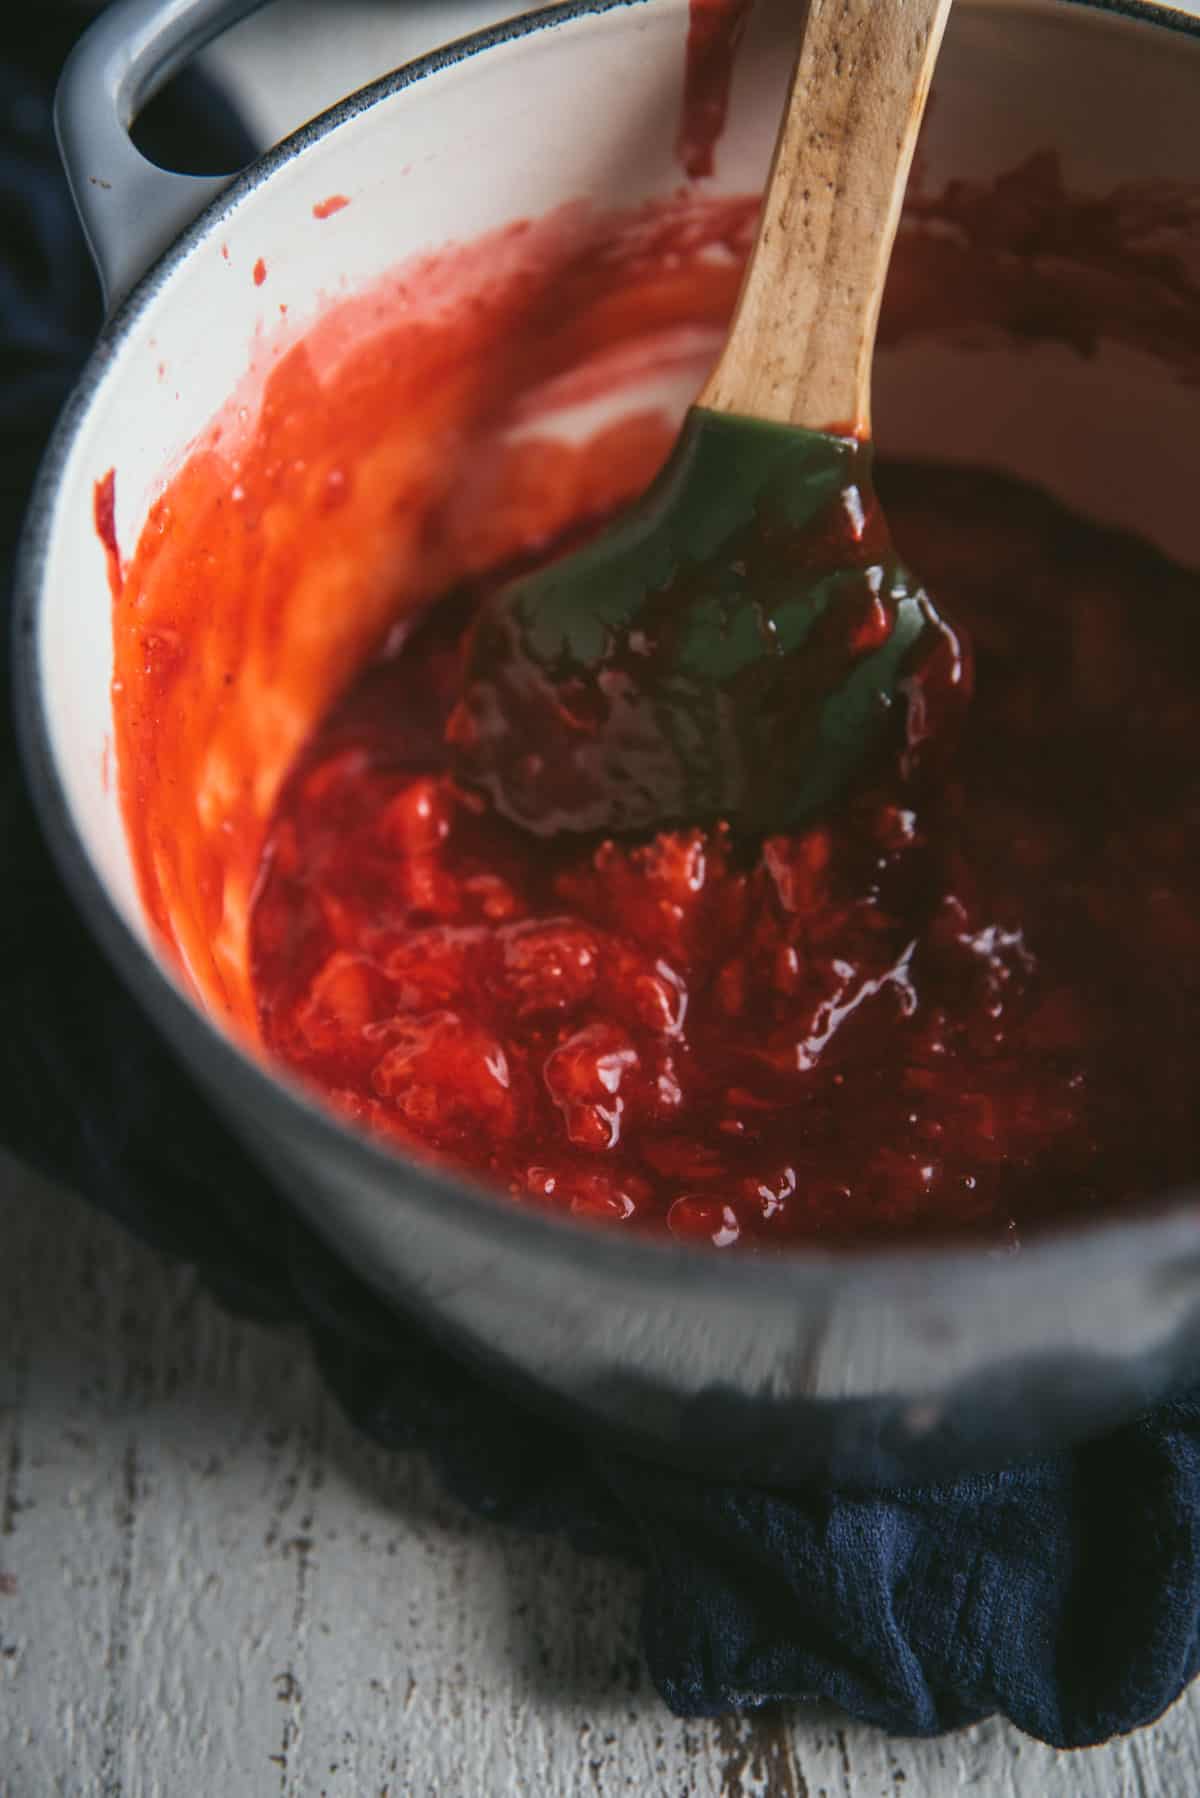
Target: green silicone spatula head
{"x": 744, "y": 640}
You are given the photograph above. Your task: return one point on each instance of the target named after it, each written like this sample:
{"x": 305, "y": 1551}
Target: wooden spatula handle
{"x": 803, "y": 334}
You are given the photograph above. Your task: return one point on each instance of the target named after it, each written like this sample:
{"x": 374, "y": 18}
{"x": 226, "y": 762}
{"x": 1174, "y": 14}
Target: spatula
{"x": 743, "y": 641}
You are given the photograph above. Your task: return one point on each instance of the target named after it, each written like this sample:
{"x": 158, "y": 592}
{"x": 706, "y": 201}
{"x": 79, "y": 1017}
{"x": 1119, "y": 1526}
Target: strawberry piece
{"x": 645, "y": 994}
{"x": 664, "y": 894}
{"x": 448, "y": 1077}
{"x": 341, "y": 1001}
{"x": 548, "y": 967}
{"x": 588, "y": 1077}
{"x": 432, "y": 967}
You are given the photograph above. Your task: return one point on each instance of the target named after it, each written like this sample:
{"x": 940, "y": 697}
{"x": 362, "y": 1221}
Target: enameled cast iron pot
{"x": 867, "y": 1367}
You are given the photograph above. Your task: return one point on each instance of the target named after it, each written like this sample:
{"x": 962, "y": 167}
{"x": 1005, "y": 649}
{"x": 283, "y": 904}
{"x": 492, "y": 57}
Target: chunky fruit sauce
{"x": 975, "y": 1015}
{"x": 969, "y": 1013}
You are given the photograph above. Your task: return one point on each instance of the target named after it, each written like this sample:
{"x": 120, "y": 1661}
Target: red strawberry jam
{"x": 972, "y": 1017}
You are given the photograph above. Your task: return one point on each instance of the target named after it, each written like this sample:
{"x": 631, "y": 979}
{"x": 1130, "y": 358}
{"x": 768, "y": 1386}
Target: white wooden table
{"x": 210, "y": 1586}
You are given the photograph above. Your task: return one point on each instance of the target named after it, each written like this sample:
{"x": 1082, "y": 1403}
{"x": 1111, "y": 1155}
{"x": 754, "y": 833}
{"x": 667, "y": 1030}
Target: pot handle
{"x": 131, "y": 210}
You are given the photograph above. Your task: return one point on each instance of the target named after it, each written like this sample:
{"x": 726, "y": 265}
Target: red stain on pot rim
{"x": 325, "y": 209}
{"x": 260, "y": 272}
{"x": 715, "y": 29}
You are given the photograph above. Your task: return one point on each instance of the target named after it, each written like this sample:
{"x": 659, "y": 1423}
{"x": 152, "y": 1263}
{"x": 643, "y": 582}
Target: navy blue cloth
{"x": 1064, "y": 1594}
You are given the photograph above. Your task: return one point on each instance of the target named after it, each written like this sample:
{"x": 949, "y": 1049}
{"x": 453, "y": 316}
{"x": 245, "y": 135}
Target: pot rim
{"x": 1075, "y": 1249}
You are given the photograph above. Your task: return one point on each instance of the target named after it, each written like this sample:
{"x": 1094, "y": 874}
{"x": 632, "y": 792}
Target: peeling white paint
{"x": 209, "y": 1583}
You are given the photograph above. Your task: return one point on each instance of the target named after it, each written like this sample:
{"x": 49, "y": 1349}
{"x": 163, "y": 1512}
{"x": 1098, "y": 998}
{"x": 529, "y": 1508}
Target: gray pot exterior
{"x": 868, "y": 1369}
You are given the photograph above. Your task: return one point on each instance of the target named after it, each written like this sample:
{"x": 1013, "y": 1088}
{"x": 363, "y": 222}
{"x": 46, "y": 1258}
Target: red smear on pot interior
{"x": 715, "y": 30}
{"x": 260, "y": 272}
{"x": 391, "y": 453}
{"x": 1024, "y": 257}
{"x": 104, "y": 513}
{"x": 325, "y": 209}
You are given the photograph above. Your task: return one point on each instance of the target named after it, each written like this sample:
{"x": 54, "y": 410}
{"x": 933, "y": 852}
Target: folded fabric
{"x": 1064, "y": 1594}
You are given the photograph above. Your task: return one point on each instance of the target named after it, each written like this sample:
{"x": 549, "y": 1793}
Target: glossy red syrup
{"x": 978, "y": 1017}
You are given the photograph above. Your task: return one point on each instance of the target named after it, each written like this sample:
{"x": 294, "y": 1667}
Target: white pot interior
{"x": 497, "y": 137}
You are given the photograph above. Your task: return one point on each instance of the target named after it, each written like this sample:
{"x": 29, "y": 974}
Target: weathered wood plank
{"x": 209, "y": 1583}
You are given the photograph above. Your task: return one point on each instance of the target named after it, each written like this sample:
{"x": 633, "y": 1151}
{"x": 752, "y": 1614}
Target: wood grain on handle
{"x": 800, "y": 348}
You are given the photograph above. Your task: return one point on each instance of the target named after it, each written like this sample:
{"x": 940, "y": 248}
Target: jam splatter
{"x": 325, "y": 209}
{"x": 260, "y": 272}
